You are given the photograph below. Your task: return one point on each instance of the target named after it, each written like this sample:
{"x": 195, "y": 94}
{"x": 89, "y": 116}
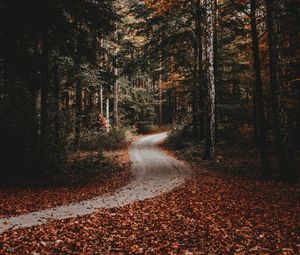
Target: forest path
{"x": 154, "y": 173}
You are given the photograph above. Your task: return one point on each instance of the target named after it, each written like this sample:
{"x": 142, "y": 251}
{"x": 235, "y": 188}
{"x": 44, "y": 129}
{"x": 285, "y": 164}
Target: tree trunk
{"x": 78, "y": 113}
{"x": 259, "y": 95}
{"x": 116, "y": 98}
{"x": 107, "y": 111}
{"x": 116, "y": 78}
{"x": 57, "y": 109}
{"x": 211, "y": 96}
{"x": 160, "y": 91}
{"x": 197, "y": 70}
{"x": 101, "y": 100}
{"x": 216, "y": 57}
{"x": 254, "y": 120}
{"x": 44, "y": 93}
{"x": 200, "y": 102}
{"x": 286, "y": 157}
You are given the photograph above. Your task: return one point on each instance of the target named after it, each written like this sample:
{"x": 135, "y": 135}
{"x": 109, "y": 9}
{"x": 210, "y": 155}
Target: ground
{"x": 114, "y": 172}
{"x": 211, "y": 213}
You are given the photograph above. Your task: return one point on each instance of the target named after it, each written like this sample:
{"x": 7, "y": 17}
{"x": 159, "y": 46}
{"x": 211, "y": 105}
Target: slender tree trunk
{"x": 44, "y": 93}
{"x": 57, "y": 109}
{"x": 200, "y": 74}
{"x": 34, "y": 108}
{"x": 101, "y": 100}
{"x": 89, "y": 108}
{"x": 34, "y": 123}
{"x": 254, "y": 119}
{"x": 107, "y": 111}
{"x": 211, "y": 96}
{"x": 266, "y": 172}
{"x": 195, "y": 111}
{"x": 216, "y": 57}
{"x": 78, "y": 113}
{"x": 116, "y": 79}
{"x": 160, "y": 89}
{"x": 116, "y": 98}
{"x": 196, "y": 87}
{"x": 286, "y": 157}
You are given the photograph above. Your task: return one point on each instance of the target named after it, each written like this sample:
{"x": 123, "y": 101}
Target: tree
{"x": 259, "y": 94}
{"x": 211, "y": 92}
{"x": 43, "y": 62}
{"x": 285, "y": 152}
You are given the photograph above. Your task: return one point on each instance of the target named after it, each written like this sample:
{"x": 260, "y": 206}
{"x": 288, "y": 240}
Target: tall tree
{"x": 198, "y": 93}
{"x": 211, "y": 92}
{"x": 285, "y": 152}
{"x": 259, "y": 93}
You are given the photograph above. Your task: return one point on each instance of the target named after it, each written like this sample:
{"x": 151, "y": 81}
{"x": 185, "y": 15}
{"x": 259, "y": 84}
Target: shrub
{"x": 180, "y": 137}
{"x": 144, "y": 126}
{"x": 99, "y": 140}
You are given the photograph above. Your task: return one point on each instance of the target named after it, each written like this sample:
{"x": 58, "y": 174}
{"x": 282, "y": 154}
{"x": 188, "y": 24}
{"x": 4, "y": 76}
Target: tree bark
{"x": 199, "y": 118}
{"x": 44, "y": 93}
{"x": 160, "y": 91}
{"x": 286, "y": 157}
{"x": 107, "y": 111}
{"x": 266, "y": 172}
{"x": 211, "y": 95}
{"x": 216, "y": 57}
{"x": 101, "y": 100}
{"x": 197, "y": 57}
{"x": 116, "y": 95}
{"x": 116, "y": 98}
{"x": 78, "y": 113}
{"x": 116, "y": 78}
{"x": 56, "y": 103}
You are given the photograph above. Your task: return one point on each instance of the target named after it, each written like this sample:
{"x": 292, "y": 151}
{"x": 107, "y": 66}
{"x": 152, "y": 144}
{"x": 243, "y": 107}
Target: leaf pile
{"x": 210, "y": 214}
{"x": 111, "y": 176}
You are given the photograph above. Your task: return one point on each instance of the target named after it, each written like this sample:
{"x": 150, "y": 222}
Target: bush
{"x": 144, "y": 126}
{"x": 90, "y": 140}
{"x": 99, "y": 140}
{"x": 115, "y": 138}
{"x": 180, "y": 137}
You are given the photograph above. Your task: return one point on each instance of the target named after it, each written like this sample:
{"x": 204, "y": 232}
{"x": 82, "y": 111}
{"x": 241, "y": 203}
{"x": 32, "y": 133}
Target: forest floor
{"x": 92, "y": 174}
{"x": 148, "y": 181}
{"x": 211, "y": 213}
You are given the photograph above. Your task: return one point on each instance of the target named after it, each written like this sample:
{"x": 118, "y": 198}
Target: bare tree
{"x": 211, "y": 93}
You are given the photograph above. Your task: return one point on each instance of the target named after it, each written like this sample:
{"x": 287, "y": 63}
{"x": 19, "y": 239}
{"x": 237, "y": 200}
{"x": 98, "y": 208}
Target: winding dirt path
{"x": 154, "y": 173}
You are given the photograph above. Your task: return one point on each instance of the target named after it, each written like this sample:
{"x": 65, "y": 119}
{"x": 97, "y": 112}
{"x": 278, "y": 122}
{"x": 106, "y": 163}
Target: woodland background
{"x": 80, "y": 75}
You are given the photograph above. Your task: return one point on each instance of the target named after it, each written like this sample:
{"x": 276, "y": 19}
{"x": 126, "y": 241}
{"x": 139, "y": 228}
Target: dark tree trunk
{"x": 198, "y": 93}
{"x": 286, "y": 157}
{"x": 44, "y": 93}
{"x": 196, "y": 87}
{"x": 266, "y": 172}
{"x": 34, "y": 122}
{"x": 56, "y": 105}
{"x": 160, "y": 91}
{"x": 78, "y": 113}
{"x": 254, "y": 120}
{"x": 216, "y": 57}
{"x": 90, "y": 108}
